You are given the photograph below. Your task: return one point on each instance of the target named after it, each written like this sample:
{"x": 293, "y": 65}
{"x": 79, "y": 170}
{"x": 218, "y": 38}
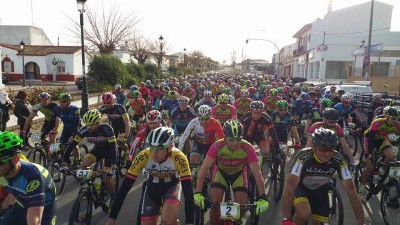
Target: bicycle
{"x": 122, "y": 159}
{"x": 37, "y": 154}
{"x": 92, "y": 192}
{"x": 351, "y": 137}
{"x": 277, "y": 168}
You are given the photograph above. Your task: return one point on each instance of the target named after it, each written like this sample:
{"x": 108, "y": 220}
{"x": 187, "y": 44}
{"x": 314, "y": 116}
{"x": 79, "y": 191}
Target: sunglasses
{"x": 284, "y": 109}
{"x": 204, "y": 118}
{"x": 157, "y": 148}
{"x": 332, "y": 121}
{"x": 232, "y": 139}
{"x": 63, "y": 101}
{"x": 325, "y": 150}
{"x": 394, "y": 118}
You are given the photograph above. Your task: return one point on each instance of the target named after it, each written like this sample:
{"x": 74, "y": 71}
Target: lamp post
{"x": 276, "y": 71}
{"x": 85, "y": 94}
{"x": 22, "y": 46}
{"x": 161, "y": 40}
{"x": 54, "y": 62}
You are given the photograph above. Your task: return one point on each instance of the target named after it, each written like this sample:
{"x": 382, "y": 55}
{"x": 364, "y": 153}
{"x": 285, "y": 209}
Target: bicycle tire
{"x": 123, "y": 169}
{"x": 37, "y": 156}
{"x": 357, "y": 175}
{"x": 352, "y": 141}
{"x": 105, "y": 196}
{"x": 386, "y": 203}
{"x": 253, "y": 193}
{"x": 58, "y": 177}
{"x": 278, "y": 178}
{"x": 335, "y": 206}
{"x": 75, "y": 217}
{"x": 198, "y": 216}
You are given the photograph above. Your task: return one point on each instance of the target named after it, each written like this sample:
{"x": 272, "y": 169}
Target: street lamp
{"x": 54, "y": 62}
{"x": 22, "y": 46}
{"x": 85, "y": 94}
{"x": 276, "y": 71}
{"x": 161, "y": 40}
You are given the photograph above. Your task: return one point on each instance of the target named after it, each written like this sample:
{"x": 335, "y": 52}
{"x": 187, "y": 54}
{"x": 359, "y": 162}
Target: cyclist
{"x": 103, "y": 138}
{"x": 257, "y": 127}
{"x": 29, "y": 185}
{"x": 271, "y": 100}
{"x": 232, "y": 157}
{"x": 283, "y": 122}
{"x": 172, "y": 101}
{"x": 378, "y": 144}
{"x": 144, "y": 91}
{"x": 205, "y": 131}
{"x": 136, "y": 103}
{"x": 330, "y": 121}
{"x": 242, "y": 104}
{"x": 223, "y": 111}
{"x": 330, "y": 93}
{"x": 347, "y": 109}
{"x": 44, "y": 106}
{"x": 375, "y": 104}
{"x": 168, "y": 172}
{"x": 337, "y": 98}
{"x": 206, "y": 100}
{"x": 119, "y": 94}
{"x": 118, "y": 118}
{"x": 181, "y": 116}
{"x": 302, "y": 106}
{"x": 313, "y": 98}
{"x": 70, "y": 116}
{"x": 315, "y": 114}
{"x": 156, "y": 95}
{"x": 189, "y": 92}
{"x": 306, "y": 185}
{"x": 199, "y": 93}
{"x": 379, "y": 113}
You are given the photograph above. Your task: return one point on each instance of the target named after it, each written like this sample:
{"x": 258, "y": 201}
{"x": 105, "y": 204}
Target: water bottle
{"x": 375, "y": 177}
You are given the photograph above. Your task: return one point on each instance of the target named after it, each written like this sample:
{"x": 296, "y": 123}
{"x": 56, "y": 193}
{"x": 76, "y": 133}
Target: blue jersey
{"x": 70, "y": 116}
{"x": 301, "y": 107}
{"x": 170, "y": 105}
{"x": 182, "y": 118}
{"x": 32, "y": 187}
{"x": 342, "y": 110}
{"x": 121, "y": 98}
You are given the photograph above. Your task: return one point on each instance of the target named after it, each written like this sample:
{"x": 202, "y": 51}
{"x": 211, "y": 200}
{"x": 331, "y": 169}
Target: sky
{"x": 218, "y": 28}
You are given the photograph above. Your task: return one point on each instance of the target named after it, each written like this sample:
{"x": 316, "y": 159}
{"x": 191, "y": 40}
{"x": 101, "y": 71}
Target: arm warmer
{"x": 371, "y": 137}
{"x": 119, "y": 200}
{"x": 189, "y": 200}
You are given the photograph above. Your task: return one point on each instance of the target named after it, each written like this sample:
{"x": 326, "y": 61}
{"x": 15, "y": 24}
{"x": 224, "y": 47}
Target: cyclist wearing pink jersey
{"x": 243, "y": 103}
{"x": 223, "y": 111}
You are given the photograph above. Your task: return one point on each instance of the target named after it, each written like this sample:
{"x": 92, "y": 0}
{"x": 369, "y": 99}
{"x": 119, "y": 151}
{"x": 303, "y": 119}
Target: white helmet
{"x": 204, "y": 110}
{"x": 117, "y": 86}
{"x": 376, "y": 96}
{"x": 207, "y": 93}
{"x": 161, "y": 137}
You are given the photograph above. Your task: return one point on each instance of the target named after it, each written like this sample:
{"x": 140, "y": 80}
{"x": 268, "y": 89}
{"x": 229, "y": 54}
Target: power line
{"x": 381, "y": 35}
{"x": 358, "y": 32}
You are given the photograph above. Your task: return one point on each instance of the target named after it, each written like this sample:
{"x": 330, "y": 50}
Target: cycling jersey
{"x": 170, "y": 105}
{"x": 242, "y": 105}
{"x": 116, "y": 114}
{"x": 232, "y": 162}
{"x": 315, "y": 115}
{"x": 204, "y": 135}
{"x": 301, "y": 107}
{"x": 343, "y": 111}
{"x": 144, "y": 91}
{"x": 182, "y": 118}
{"x": 314, "y": 173}
{"x": 188, "y": 92}
{"x": 203, "y": 101}
{"x": 138, "y": 105}
{"x": 156, "y": 94}
{"x": 121, "y": 98}
{"x": 46, "y": 110}
{"x": 336, "y": 128}
{"x": 255, "y": 128}
{"x": 330, "y": 95}
{"x": 270, "y": 103}
{"x": 282, "y": 125}
{"x": 382, "y": 129}
{"x": 223, "y": 115}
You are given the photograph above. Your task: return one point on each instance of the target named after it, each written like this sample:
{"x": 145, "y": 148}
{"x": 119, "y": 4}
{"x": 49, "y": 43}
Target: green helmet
{"x": 223, "y": 98}
{"x": 263, "y": 87}
{"x": 64, "y": 96}
{"x": 233, "y": 128}
{"x": 172, "y": 94}
{"x": 282, "y": 104}
{"x": 325, "y": 102}
{"x": 202, "y": 87}
{"x": 9, "y": 147}
{"x": 273, "y": 91}
{"x": 92, "y": 116}
{"x": 135, "y": 94}
{"x": 279, "y": 89}
{"x": 227, "y": 90}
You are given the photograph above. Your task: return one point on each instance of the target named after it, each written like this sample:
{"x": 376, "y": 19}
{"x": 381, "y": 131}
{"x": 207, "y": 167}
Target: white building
{"x": 324, "y": 47}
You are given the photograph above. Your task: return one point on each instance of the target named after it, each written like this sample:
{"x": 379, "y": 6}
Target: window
{"x": 61, "y": 67}
{"x": 7, "y": 65}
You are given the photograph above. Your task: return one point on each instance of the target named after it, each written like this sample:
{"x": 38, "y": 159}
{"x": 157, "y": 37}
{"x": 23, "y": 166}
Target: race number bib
{"x": 36, "y": 137}
{"x": 84, "y": 174}
{"x": 394, "y": 172}
{"x": 303, "y": 122}
{"x": 230, "y": 211}
{"x": 55, "y": 147}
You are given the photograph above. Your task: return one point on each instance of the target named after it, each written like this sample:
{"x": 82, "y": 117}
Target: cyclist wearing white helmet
{"x": 181, "y": 116}
{"x": 189, "y": 92}
{"x": 207, "y": 100}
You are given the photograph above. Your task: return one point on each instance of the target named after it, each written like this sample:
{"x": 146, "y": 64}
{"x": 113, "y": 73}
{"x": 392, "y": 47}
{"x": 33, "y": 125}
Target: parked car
{"x": 5, "y": 79}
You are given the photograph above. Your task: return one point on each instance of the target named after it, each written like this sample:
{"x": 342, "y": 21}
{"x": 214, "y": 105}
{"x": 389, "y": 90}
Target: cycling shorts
{"x": 238, "y": 181}
{"x": 318, "y": 200}
{"x": 179, "y": 130}
{"x": 259, "y": 138}
{"x": 118, "y": 130}
{"x": 199, "y": 149}
{"x": 66, "y": 134}
{"x": 13, "y": 215}
{"x": 99, "y": 153}
{"x": 155, "y": 194}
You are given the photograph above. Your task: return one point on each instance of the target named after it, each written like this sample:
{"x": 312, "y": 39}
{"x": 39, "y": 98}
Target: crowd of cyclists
{"x": 181, "y": 130}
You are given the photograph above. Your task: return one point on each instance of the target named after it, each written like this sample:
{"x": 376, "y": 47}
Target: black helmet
{"x": 256, "y": 105}
{"x": 391, "y": 111}
{"x": 330, "y": 114}
{"x": 325, "y": 138}
{"x": 388, "y": 102}
{"x": 233, "y": 128}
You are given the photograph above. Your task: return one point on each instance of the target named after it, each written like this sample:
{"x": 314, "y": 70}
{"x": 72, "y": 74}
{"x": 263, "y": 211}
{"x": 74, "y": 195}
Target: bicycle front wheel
{"x": 335, "y": 206}
{"x": 253, "y": 194}
{"x": 81, "y": 212}
{"x": 278, "y": 178}
{"x": 390, "y": 202}
{"x": 58, "y": 176}
{"x": 37, "y": 156}
{"x": 352, "y": 141}
{"x": 198, "y": 216}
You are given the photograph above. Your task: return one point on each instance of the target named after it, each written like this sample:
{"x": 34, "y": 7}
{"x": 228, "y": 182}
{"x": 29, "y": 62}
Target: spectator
{"x": 5, "y": 106}
{"x": 22, "y": 111}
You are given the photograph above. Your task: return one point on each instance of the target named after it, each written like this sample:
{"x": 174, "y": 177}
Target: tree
{"x": 106, "y": 30}
{"x": 140, "y": 48}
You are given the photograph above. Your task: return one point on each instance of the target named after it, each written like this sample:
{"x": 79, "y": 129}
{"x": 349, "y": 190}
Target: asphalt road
{"x": 129, "y": 210}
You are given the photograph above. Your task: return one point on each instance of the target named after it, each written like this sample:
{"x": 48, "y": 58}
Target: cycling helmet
{"x": 256, "y": 105}
{"x": 304, "y": 96}
{"x": 148, "y": 81}
{"x": 262, "y": 87}
{"x": 183, "y": 100}
{"x": 325, "y": 138}
{"x": 221, "y": 87}
{"x": 244, "y": 94}
{"x": 204, "y": 110}
{"x": 161, "y": 137}
{"x": 136, "y": 94}
{"x": 154, "y": 116}
{"x": 391, "y": 111}
{"x": 227, "y": 90}
{"x": 233, "y": 128}
{"x": 330, "y": 114}
{"x": 108, "y": 97}
{"x": 133, "y": 87}
{"x": 282, "y": 104}
{"x": 187, "y": 85}
{"x": 279, "y": 89}
{"x": 309, "y": 88}
{"x": 297, "y": 85}
{"x": 202, "y": 87}
{"x": 252, "y": 90}
{"x": 317, "y": 88}
{"x": 325, "y": 102}
{"x": 165, "y": 89}
{"x": 92, "y": 116}
{"x": 117, "y": 86}
{"x": 172, "y": 94}
{"x": 10, "y": 144}
{"x": 347, "y": 98}
{"x": 44, "y": 95}
{"x": 286, "y": 89}
{"x": 341, "y": 92}
{"x": 273, "y": 91}
{"x": 64, "y": 96}
{"x": 333, "y": 87}
{"x": 223, "y": 98}
{"x": 207, "y": 93}
{"x": 388, "y": 102}
{"x": 237, "y": 86}
{"x": 156, "y": 87}
{"x": 376, "y": 96}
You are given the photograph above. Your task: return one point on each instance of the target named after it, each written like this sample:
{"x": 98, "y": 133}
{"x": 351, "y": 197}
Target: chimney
{"x": 329, "y": 7}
